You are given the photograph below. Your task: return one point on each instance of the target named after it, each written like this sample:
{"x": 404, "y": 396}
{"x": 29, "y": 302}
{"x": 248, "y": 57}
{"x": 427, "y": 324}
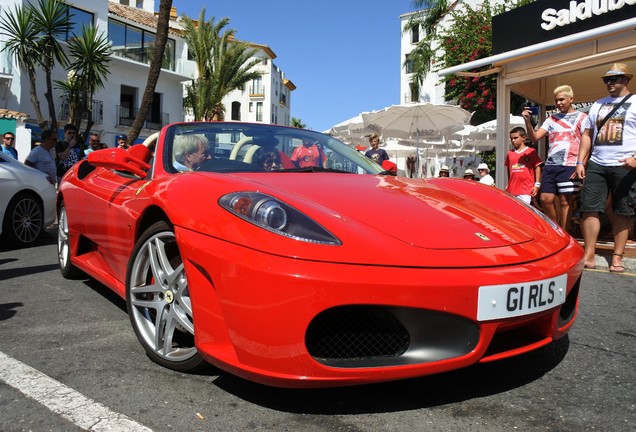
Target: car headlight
{"x": 273, "y": 215}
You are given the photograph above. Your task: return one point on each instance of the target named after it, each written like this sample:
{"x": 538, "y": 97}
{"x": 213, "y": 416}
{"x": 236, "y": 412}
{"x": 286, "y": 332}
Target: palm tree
{"x": 296, "y": 122}
{"x": 424, "y": 53}
{"x": 163, "y": 24}
{"x": 52, "y": 21}
{"x": 91, "y": 53}
{"x": 223, "y": 65}
{"x": 22, "y": 44}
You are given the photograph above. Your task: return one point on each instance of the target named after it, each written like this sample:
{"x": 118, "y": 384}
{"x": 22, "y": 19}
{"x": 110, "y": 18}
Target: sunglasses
{"x": 9, "y": 138}
{"x": 611, "y": 79}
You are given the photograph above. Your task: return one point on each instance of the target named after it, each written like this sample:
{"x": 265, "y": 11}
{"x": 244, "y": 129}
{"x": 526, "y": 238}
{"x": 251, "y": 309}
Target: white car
{"x": 27, "y": 202}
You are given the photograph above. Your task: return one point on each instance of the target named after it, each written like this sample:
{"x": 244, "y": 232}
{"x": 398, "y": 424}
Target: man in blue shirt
{"x": 8, "y": 139}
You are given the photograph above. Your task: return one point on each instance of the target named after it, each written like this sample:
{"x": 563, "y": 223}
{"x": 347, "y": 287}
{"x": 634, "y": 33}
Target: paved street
{"x": 70, "y": 345}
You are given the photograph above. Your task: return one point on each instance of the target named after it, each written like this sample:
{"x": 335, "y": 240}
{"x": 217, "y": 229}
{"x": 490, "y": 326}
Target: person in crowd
{"x": 309, "y": 154}
{"x": 444, "y": 171}
{"x": 411, "y": 166}
{"x": 523, "y": 166}
{"x": 69, "y": 151}
{"x": 563, "y": 130}
{"x": 268, "y": 159}
{"x": 122, "y": 142}
{"x": 94, "y": 143}
{"x": 8, "y": 140}
{"x": 190, "y": 151}
{"x": 607, "y": 164}
{"x": 484, "y": 174}
{"x": 469, "y": 174}
{"x": 376, "y": 153}
{"x": 40, "y": 157}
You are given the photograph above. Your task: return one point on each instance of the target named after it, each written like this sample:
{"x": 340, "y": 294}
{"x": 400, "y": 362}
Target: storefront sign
{"x": 545, "y": 20}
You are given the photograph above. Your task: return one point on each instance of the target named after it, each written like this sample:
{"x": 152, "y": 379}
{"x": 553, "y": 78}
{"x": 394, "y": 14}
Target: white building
{"x": 131, "y": 30}
{"x": 431, "y": 90}
{"x": 266, "y": 99}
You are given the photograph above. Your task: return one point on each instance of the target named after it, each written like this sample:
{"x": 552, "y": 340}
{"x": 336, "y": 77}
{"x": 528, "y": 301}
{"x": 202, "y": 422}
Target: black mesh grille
{"x": 356, "y": 332}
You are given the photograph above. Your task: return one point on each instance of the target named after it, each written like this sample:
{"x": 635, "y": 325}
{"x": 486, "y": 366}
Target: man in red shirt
{"x": 309, "y": 154}
{"x": 524, "y": 167}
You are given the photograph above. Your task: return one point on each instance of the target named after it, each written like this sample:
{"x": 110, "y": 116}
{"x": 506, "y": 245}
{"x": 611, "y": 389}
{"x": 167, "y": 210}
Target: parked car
{"x": 27, "y": 202}
{"x": 336, "y": 273}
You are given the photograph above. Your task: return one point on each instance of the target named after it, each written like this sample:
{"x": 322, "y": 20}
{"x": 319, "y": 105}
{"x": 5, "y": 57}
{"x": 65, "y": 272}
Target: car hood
{"x": 387, "y": 220}
{"x": 424, "y": 214}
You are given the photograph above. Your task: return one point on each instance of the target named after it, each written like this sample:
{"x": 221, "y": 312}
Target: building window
{"x": 408, "y": 64}
{"x": 154, "y": 116}
{"x": 236, "y": 111}
{"x": 257, "y": 87}
{"x": 127, "y": 104}
{"x": 415, "y": 94}
{"x": 415, "y": 35}
{"x": 259, "y": 111}
{"x": 137, "y": 44}
{"x": 251, "y": 107}
{"x": 78, "y": 18}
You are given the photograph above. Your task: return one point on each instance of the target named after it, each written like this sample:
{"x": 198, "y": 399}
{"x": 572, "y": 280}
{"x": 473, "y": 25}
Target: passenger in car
{"x": 269, "y": 160}
{"x": 190, "y": 151}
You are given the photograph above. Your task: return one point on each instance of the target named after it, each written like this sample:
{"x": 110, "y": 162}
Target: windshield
{"x": 241, "y": 147}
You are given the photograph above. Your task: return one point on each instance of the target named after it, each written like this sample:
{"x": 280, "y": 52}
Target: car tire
{"x": 23, "y": 220}
{"x": 158, "y": 300}
{"x": 68, "y": 270}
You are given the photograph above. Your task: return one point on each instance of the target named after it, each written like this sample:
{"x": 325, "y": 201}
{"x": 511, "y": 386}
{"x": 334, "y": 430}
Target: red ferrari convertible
{"x": 285, "y": 257}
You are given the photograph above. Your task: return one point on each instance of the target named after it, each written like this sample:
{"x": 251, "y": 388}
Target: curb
{"x": 603, "y": 259}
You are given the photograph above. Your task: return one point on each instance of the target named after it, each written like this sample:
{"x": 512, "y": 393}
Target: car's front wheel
{"x": 158, "y": 300}
{"x": 67, "y": 268}
{"x": 23, "y": 220}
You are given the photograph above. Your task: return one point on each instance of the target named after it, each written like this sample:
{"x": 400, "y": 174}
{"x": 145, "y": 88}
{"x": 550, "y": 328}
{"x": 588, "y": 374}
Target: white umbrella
{"x": 418, "y": 121}
{"x": 396, "y": 149}
{"x": 489, "y": 128}
{"x": 351, "y": 130}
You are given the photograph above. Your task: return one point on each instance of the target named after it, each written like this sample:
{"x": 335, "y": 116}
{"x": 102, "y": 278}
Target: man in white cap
{"x": 469, "y": 174}
{"x": 610, "y": 133}
{"x": 444, "y": 171}
{"x": 484, "y": 173}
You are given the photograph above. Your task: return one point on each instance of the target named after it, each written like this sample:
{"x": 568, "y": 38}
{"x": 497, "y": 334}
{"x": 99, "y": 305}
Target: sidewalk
{"x": 604, "y": 255}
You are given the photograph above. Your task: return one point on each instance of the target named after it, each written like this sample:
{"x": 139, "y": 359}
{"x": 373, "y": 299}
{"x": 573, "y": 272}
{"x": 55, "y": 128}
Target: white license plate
{"x": 524, "y": 298}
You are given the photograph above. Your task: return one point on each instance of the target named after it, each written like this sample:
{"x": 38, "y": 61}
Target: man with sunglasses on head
{"x": 609, "y": 141}
{"x": 8, "y": 140}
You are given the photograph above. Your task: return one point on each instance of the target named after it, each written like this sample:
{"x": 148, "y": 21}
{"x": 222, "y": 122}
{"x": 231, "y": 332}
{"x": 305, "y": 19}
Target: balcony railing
{"x": 98, "y": 111}
{"x": 257, "y": 90}
{"x": 126, "y": 116}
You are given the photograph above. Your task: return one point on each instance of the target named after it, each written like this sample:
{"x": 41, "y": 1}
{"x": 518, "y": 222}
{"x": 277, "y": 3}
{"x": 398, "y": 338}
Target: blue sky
{"x": 343, "y": 56}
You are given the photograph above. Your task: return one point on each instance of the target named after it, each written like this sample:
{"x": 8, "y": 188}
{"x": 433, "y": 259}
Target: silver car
{"x": 27, "y": 202}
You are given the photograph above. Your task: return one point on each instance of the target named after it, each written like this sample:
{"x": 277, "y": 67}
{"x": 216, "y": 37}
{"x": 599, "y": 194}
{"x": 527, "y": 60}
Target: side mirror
{"x": 118, "y": 159}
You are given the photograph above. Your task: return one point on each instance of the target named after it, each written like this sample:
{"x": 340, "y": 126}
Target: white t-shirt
{"x": 564, "y": 134}
{"x": 42, "y": 160}
{"x": 617, "y": 138}
{"x": 487, "y": 180}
